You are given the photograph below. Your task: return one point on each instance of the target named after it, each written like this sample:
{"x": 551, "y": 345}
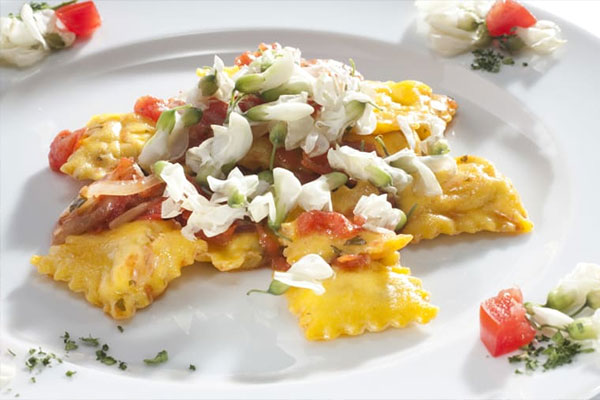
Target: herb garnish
{"x": 70, "y": 373}
{"x": 192, "y": 367}
{"x": 355, "y": 241}
{"x": 69, "y": 343}
{"x": 160, "y": 358}
{"x": 90, "y": 341}
{"x": 122, "y": 365}
{"x": 487, "y": 59}
{"x": 32, "y": 379}
{"x": 559, "y": 351}
{"x": 103, "y": 357}
{"x": 120, "y": 328}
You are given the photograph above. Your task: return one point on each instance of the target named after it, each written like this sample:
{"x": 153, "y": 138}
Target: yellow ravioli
{"x": 477, "y": 198}
{"x": 368, "y": 299}
{"x": 124, "y": 269}
{"x": 243, "y": 251}
{"x": 109, "y": 137}
{"x": 382, "y": 247}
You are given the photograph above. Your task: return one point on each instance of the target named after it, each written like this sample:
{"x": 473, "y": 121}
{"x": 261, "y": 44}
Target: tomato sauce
{"x": 329, "y": 223}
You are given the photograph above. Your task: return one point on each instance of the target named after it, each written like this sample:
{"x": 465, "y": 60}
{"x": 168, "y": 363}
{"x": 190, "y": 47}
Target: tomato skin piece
{"x": 318, "y": 164}
{"x": 61, "y": 148}
{"x": 80, "y": 18}
{"x": 503, "y": 325}
{"x": 149, "y": 107}
{"x": 330, "y": 223}
{"x": 506, "y": 15}
{"x": 352, "y": 261}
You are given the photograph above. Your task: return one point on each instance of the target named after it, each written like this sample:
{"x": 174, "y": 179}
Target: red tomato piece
{"x": 503, "y": 324}
{"x": 149, "y": 107}
{"x": 221, "y": 239}
{"x": 352, "y": 261}
{"x": 506, "y": 15}
{"x": 318, "y": 164}
{"x": 329, "y": 223}
{"x": 80, "y": 18}
{"x": 61, "y": 148}
{"x": 244, "y": 59}
{"x": 153, "y": 212}
{"x": 215, "y": 113}
{"x": 268, "y": 241}
{"x": 249, "y": 101}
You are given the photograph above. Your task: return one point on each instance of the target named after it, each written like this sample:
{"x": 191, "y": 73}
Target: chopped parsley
{"x": 69, "y": 343}
{"x": 90, "y": 341}
{"x": 355, "y": 241}
{"x": 548, "y": 353}
{"x": 488, "y": 60}
{"x": 70, "y": 373}
{"x": 192, "y": 367}
{"x": 40, "y": 359}
{"x": 160, "y": 358}
{"x": 103, "y": 357}
{"x": 32, "y": 379}
{"x": 122, "y": 365}
{"x": 120, "y": 328}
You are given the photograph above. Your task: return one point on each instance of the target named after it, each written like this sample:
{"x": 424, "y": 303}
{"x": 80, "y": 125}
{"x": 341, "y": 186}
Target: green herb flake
{"x": 70, "y": 373}
{"x": 12, "y": 353}
{"x": 69, "y": 343}
{"x": 555, "y": 352}
{"x": 32, "y": 379}
{"x": 192, "y": 367}
{"x": 525, "y": 64}
{"x": 160, "y": 358}
{"x": 120, "y": 328}
{"x": 355, "y": 241}
{"x": 122, "y": 365}
{"x": 89, "y": 341}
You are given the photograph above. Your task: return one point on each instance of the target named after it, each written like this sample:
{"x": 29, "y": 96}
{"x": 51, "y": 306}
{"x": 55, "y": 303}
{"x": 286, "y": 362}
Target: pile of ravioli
{"x": 164, "y": 190}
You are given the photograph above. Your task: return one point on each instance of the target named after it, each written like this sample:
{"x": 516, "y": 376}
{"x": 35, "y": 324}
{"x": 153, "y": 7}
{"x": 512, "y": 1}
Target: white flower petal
{"x": 366, "y": 124}
{"x": 550, "y": 316}
{"x": 287, "y": 189}
{"x": 306, "y": 273}
{"x": 427, "y": 183}
{"x": 236, "y": 183}
{"x": 378, "y": 213}
{"x": 584, "y": 278}
{"x": 408, "y": 132}
{"x": 316, "y": 195}
{"x": 280, "y": 71}
{"x": 544, "y": 37}
{"x": 289, "y": 111}
{"x": 261, "y": 207}
{"x": 232, "y": 143}
{"x": 357, "y": 164}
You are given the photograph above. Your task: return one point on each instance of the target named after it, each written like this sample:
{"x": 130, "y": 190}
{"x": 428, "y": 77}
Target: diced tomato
{"x": 244, "y": 59}
{"x": 318, "y": 164}
{"x": 506, "y": 15}
{"x": 221, "y": 239}
{"x": 503, "y": 324}
{"x": 215, "y": 113}
{"x": 153, "y": 212}
{"x": 268, "y": 241}
{"x": 352, "y": 261}
{"x": 279, "y": 263}
{"x": 249, "y": 101}
{"x": 63, "y": 145}
{"x": 330, "y": 223}
{"x": 149, "y": 107}
{"x": 80, "y": 18}
{"x": 248, "y": 56}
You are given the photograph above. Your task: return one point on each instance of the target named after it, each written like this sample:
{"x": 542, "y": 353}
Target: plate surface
{"x": 538, "y": 129}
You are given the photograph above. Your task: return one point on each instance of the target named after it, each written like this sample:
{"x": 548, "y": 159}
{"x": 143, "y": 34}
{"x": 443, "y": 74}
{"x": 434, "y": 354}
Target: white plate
{"x": 539, "y": 129}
